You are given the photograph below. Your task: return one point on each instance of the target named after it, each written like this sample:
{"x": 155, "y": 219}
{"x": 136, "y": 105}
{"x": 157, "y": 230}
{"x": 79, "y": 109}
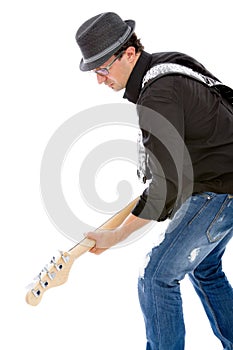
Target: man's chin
{"x": 116, "y": 87}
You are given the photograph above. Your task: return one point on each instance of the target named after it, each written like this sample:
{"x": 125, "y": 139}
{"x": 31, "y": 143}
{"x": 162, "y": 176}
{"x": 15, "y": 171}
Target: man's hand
{"x": 106, "y": 239}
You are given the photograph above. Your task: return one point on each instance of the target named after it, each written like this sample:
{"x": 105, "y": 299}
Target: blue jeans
{"x": 194, "y": 244}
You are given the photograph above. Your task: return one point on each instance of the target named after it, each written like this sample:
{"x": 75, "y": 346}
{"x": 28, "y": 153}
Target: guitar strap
{"x": 159, "y": 71}
{"x": 162, "y": 69}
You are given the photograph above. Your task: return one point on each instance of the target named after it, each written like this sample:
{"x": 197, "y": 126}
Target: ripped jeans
{"x": 194, "y": 244}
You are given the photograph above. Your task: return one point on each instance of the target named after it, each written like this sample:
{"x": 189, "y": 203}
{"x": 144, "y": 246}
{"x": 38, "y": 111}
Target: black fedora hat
{"x": 100, "y": 37}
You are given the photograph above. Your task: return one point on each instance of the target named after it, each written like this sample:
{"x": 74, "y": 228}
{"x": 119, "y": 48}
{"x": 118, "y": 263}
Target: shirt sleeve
{"x": 161, "y": 119}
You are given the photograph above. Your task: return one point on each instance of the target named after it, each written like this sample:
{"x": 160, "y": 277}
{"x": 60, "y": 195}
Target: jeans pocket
{"x": 221, "y": 224}
{"x": 200, "y": 201}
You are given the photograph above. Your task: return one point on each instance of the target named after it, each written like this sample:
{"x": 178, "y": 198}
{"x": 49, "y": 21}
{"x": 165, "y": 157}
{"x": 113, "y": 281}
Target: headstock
{"x": 52, "y": 275}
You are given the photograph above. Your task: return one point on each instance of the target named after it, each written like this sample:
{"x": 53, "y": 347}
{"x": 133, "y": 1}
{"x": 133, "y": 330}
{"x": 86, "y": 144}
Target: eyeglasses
{"x": 105, "y": 70}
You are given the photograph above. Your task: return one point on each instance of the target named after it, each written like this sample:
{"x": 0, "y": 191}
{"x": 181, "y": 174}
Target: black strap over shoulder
{"x": 162, "y": 69}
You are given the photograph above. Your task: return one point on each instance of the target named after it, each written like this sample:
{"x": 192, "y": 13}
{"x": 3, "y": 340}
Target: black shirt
{"x": 187, "y": 131}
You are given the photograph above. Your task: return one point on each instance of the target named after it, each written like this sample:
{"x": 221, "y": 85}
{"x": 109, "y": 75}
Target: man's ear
{"x": 130, "y": 54}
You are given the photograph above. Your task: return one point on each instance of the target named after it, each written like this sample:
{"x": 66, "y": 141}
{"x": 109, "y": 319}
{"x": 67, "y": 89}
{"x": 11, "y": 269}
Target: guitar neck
{"x": 116, "y": 220}
{"x": 58, "y": 272}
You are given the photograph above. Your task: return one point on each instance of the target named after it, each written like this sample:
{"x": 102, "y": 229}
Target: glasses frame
{"x": 104, "y": 71}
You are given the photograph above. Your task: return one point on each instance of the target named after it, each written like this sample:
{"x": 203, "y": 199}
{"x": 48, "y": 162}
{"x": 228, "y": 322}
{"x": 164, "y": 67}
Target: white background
{"x": 41, "y": 87}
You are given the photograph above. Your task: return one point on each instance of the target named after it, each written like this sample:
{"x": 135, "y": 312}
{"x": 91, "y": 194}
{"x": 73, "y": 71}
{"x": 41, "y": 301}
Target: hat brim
{"x": 89, "y": 66}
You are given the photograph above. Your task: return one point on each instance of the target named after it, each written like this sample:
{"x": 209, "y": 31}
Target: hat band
{"x": 109, "y": 49}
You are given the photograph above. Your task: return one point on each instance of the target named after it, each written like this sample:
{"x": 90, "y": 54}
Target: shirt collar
{"x": 134, "y": 84}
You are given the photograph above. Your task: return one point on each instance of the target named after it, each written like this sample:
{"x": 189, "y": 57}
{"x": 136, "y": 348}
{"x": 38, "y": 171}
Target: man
{"x": 186, "y": 119}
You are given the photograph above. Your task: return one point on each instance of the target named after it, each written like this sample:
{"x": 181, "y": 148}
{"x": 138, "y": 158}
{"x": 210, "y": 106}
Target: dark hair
{"x": 133, "y": 41}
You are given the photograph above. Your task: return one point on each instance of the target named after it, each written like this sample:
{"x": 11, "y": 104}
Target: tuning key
{"x": 43, "y": 284}
{"x": 65, "y": 258}
{"x": 36, "y": 293}
{"x": 54, "y": 262}
{"x": 50, "y": 275}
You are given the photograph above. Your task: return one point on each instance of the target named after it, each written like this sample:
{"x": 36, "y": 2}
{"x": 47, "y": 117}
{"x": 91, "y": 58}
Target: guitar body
{"x": 57, "y": 272}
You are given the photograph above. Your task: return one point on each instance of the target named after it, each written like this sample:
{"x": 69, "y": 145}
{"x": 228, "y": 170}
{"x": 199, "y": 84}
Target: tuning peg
{"x": 50, "y": 275}
{"x": 65, "y": 258}
{"x": 54, "y": 262}
{"x": 43, "y": 284}
{"x": 36, "y": 292}
{"x": 31, "y": 287}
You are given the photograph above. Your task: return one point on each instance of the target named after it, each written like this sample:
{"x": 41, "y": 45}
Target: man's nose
{"x": 101, "y": 78}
